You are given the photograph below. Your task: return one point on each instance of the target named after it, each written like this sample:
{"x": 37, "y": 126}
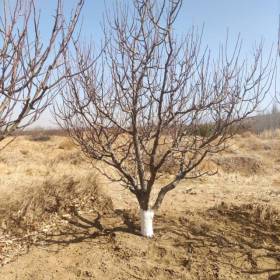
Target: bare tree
{"x": 143, "y": 101}
{"x": 30, "y": 65}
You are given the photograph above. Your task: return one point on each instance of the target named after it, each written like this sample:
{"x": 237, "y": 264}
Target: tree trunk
{"x": 147, "y": 217}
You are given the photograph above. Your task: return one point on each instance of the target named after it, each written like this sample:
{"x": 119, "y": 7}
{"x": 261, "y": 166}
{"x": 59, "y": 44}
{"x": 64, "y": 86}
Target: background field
{"x": 60, "y": 219}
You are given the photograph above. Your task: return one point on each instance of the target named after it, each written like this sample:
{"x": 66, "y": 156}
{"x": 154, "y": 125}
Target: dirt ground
{"x": 61, "y": 220}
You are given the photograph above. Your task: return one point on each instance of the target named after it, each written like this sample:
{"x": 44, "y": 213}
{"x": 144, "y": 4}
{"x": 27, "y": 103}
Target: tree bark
{"x": 162, "y": 194}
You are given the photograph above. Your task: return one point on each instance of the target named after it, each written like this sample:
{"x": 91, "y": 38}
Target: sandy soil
{"x": 223, "y": 227}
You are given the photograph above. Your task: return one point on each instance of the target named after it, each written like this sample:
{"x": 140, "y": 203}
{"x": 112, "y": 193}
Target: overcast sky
{"x": 255, "y": 20}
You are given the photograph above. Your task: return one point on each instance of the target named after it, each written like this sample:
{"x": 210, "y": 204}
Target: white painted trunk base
{"x": 147, "y": 217}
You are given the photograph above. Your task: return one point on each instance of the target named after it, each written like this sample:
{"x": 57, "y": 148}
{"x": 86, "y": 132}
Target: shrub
{"x": 39, "y": 137}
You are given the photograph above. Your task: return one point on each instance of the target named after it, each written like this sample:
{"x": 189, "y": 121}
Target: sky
{"x": 254, "y": 20}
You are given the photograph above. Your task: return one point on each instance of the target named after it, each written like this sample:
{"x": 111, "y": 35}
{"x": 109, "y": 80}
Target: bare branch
{"x": 145, "y": 100}
{"x": 31, "y": 68}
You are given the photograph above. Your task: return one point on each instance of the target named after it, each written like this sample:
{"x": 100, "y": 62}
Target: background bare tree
{"x": 145, "y": 100}
{"x": 30, "y": 65}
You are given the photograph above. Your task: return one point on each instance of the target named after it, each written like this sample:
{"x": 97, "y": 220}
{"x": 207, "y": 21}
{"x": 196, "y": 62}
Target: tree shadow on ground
{"x": 80, "y": 228}
{"x": 243, "y": 239}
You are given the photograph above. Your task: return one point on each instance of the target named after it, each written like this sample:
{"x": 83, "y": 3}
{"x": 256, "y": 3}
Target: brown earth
{"x": 61, "y": 220}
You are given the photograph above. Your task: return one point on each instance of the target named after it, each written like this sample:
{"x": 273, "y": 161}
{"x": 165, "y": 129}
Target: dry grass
{"x": 270, "y": 134}
{"x": 51, "y": 194}
{"x": 39, "y": 205}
